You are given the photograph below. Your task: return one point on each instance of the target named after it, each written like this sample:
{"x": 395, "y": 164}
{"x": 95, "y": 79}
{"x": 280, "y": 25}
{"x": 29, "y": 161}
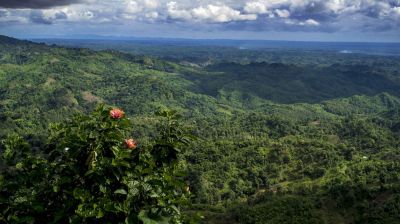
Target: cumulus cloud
{"x": 221, "y": 14}
{"x": 396, "y": 11}
{"x": 175, "y": 13}
{"x": 46, "y": 17}
{"x": 308, "y": 22}
{"x": 208, "y": 13}
{"x": 256, "y": 8}
{"x": 282, "y": 13}
{"x": 151, "y": 15}
{"x": 311, "y": 22}
{"x": 7, "y": 17}
{"x": 291, "y": 15}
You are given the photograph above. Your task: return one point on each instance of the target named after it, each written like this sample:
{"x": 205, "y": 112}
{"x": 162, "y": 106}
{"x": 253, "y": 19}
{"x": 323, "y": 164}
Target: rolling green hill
{"x": 276, "y": 143}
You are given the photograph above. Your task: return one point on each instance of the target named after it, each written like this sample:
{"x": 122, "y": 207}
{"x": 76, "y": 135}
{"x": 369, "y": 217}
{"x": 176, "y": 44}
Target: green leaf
{"x": 21, "y": 200}
{"x": 143, "y": 216}
{"x": 89, "y": 172}
{"x": 120, "y": 163}
{"x": 120, "y": 191}
{"x": 100, "y": 214}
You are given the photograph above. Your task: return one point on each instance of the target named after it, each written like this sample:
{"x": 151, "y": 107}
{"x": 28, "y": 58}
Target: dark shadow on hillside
{"x": 284, "y": 83}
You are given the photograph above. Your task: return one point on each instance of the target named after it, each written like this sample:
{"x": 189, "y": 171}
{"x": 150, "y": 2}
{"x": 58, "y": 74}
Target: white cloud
{"x": 175, "y": 13}
{"x": 311, "y": 22}
{"x": 336, "y": 5}
{"x": 308, "y": 22}
{"x": 4, "y": 12}
{"x": 396, "y": 10}
{"x": 7, "y": 16}
{"x": 208, "y": 13}
{"x": 151, "y": 15}
{"x": 132, "y": 7}
{"x": 283, "y": 13}
{"x": 214, "y": 13}
{"x": 72, "y": 15}
{"x": 150, "y": 4}
{"x": 272, "y": 13}
{"x": 256, "y": 8}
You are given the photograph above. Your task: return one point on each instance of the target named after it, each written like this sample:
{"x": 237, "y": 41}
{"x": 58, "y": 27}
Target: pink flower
{"x": 117, "y": 113}
{"x": 131, "y": 144}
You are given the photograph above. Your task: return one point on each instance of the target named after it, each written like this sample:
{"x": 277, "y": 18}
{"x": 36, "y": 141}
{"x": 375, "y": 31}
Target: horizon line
{"x": 132, "y": 38}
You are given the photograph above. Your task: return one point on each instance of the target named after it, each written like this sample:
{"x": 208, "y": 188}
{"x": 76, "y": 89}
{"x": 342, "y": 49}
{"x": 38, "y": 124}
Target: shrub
{"x": 92, "y": 171}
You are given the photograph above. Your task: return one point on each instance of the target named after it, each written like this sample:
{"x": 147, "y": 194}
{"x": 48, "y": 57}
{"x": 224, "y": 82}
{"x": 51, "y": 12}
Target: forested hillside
{"x": 287, "y": 142}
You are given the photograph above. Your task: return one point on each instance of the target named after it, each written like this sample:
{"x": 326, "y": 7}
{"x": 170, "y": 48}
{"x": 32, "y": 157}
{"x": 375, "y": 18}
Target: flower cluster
{"x": 131, "y": 144}
{"x": 117, "y": 113}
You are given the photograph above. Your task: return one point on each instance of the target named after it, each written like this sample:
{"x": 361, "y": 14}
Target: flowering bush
{"x": 89, "y": 172}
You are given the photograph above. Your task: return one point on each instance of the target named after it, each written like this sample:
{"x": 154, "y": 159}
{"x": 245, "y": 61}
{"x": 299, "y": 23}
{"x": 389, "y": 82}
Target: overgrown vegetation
{"x": 88, "y": 172}
{"x": 328, "y": 155}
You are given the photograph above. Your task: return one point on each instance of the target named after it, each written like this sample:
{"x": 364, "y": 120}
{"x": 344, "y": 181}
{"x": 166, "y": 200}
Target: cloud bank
{"x": 254, "y": 15}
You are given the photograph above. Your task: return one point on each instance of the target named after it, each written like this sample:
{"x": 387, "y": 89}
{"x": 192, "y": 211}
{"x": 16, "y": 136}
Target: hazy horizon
{"x": 133, "y": 38}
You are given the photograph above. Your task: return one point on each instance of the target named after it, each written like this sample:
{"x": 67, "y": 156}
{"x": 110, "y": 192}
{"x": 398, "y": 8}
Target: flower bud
{"x": 117, "y": 113}
{"x": 131, "y": 144}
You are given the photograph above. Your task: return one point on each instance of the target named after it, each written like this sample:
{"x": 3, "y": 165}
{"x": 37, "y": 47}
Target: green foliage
{"x": 285, "y": 209}
{"x": 87, "y": 174}
{"x": 250, "y": 154}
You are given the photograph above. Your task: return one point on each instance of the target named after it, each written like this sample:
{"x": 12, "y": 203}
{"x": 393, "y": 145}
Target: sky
{"x": 302, "y": 20}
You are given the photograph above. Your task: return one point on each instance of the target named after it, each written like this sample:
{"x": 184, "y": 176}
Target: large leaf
{"x": 120, "y": 191}
{"x": 144, "y": 217}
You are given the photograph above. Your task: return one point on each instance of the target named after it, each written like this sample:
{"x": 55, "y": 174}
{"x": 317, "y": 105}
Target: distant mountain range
{"x": 371, "y": 48}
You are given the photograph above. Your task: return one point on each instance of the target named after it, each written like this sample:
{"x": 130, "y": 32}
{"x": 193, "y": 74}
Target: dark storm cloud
{"x": 35, "y": 4}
